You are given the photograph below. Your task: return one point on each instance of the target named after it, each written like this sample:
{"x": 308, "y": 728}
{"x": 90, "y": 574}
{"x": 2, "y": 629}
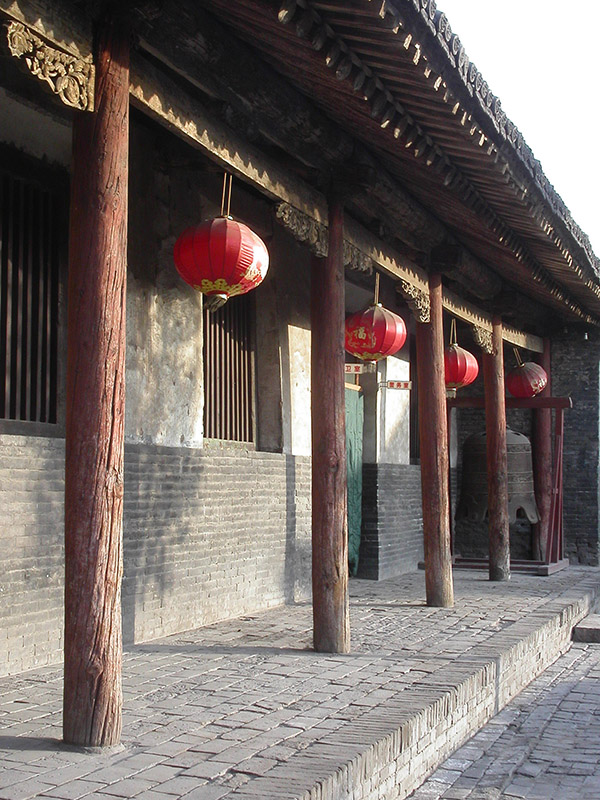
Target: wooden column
{"x": 95, "y": 401}
{"x": 329, "y": 519}
{"x": 495, "y": 427}
{"x": 433, "y": 437}
{"x": 542, "y": 460}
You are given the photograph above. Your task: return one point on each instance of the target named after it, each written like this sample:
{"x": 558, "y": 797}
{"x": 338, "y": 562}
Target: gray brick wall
{"x": 392, "y": 527}
{"x": 209, "y": 534}
{"x": 575, "y": 372}
{"x": 31, "y": 551}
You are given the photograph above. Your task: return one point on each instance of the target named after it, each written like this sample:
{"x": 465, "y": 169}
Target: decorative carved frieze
{"x": 303, "y": 228}
{"x": 71, "y": 78}
{"x": 357, "y": 260}
{"x": 417, "y": 300}
{"x": 307, "y": 230}
{"x": 483, "y": 337}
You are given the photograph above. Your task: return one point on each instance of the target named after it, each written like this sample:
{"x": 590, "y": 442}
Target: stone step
{"x": 588, "y": 630}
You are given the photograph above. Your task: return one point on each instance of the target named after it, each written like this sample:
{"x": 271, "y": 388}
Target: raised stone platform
{"x": 245, "y": 709}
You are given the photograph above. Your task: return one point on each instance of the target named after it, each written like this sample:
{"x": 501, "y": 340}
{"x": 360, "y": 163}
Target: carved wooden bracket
{"x": 357, "y": 260}
{"x": 308, "y": 230}
{"x": 417, "y": 300}
{"x": 71, "y": 78}
{"x": 303, "y": 228}
{"x": 483, "y": 338}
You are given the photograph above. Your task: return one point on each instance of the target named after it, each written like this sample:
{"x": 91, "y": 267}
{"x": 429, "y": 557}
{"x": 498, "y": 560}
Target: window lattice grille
{"x": 29, "y": 270}
{"x": 228, "y": 372}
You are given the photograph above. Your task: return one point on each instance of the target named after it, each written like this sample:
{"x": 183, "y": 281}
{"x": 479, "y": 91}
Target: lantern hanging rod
{"x": 376, "y": 298}
{"x": 226, "y": 195}
{"x": 518, "y": 356}
{"x": 453, "y": 339}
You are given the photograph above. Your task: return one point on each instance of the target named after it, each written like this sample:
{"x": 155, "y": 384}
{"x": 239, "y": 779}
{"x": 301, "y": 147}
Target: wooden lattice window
{"x": 30, "y": 219}
{"x": 229, "y": 371}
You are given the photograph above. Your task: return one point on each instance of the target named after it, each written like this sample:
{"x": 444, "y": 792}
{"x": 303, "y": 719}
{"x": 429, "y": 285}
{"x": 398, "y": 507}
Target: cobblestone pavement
{"x": 231, "y": 709}
{"x": 545, "y": 745}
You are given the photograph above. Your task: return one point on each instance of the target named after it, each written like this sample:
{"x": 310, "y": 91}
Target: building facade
{"x": 379, "y": 109}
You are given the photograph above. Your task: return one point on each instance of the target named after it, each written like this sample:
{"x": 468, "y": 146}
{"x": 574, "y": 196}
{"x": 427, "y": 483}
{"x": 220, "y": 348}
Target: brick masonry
{"x": 575, "y": 372}
{"x": 392, "y": 526}
{"x": 31, "y": 551}
{"x": 190, "y": 555}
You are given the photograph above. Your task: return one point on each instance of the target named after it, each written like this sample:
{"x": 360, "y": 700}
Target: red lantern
{"x": 527, "y": 380}
{"x": 460, "y": 367}
{"x": 221, "y": 258}
{"x": 374, "y": 333}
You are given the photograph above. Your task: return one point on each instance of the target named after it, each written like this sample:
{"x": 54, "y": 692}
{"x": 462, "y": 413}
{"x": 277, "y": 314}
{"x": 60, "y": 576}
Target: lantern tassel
{"x": 214, "y": 302}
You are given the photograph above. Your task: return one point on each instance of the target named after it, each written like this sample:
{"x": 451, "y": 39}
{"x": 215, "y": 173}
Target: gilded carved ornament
{"x": 71, "y": 78}
{"x": 417, "y": 300}
{"x": 483, "y": 338}
{"x": 308, "y": 230}
{"x": 303, "y": 228}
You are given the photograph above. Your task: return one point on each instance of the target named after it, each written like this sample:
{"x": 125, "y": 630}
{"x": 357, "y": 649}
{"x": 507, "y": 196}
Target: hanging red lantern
{"x": 374, "y": 333}
{"x": 221, "y": 257}
{"x": 527, "y": 380}
{"x": 460, "y": 366}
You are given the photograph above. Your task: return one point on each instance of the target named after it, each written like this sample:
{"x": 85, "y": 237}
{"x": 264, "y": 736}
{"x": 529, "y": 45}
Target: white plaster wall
{"x": 164, "y": 383}
{"x": 34, "y": 131}
{"x": 394, "y": 414}
{"x": 298, "y": 340}
{"x": 164, "y": 401}
{"x": 290, "y": 265}
{"x": 453, "y": 438}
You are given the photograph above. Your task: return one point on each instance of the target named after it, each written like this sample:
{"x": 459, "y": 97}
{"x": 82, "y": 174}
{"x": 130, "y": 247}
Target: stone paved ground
{"x": 545, "y": 745}
{"x": 246, "y": 709}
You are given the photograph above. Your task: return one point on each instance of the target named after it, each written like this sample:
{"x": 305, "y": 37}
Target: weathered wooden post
{"x": 329, "y": 519}
{"x": 542, "y": 460}
{"x": 95, "y": 401}
{"x": 495, "y": 428}
{"x": 433, "y": 437}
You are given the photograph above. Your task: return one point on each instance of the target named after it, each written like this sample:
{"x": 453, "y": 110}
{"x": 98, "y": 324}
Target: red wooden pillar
{"x": 95, "y": 401}
{"x": 542, "y": 461}
{"x": 329, "y": 520}
{"x": 433, "y": 436}
{"x": 495, "y": 427}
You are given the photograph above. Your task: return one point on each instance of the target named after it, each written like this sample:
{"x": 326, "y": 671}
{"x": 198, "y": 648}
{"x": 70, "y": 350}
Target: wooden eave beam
{"x": 513, "y": 402}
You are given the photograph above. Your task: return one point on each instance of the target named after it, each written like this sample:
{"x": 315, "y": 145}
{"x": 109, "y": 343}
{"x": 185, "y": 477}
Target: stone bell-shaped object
{"x": 473, "y": 503}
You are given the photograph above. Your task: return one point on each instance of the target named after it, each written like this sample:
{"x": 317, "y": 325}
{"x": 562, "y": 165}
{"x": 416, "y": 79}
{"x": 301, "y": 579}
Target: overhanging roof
{"x": 397, "y": 78}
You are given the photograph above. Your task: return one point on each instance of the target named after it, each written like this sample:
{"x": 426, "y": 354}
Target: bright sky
{"x": 541, "y": 58}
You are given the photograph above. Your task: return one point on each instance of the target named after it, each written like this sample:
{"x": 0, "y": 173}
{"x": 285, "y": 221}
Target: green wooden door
{"x": 354, "y": 442}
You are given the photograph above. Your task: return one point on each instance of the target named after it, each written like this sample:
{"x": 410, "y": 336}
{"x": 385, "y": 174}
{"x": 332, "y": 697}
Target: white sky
{"x": 542, "y": 59}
